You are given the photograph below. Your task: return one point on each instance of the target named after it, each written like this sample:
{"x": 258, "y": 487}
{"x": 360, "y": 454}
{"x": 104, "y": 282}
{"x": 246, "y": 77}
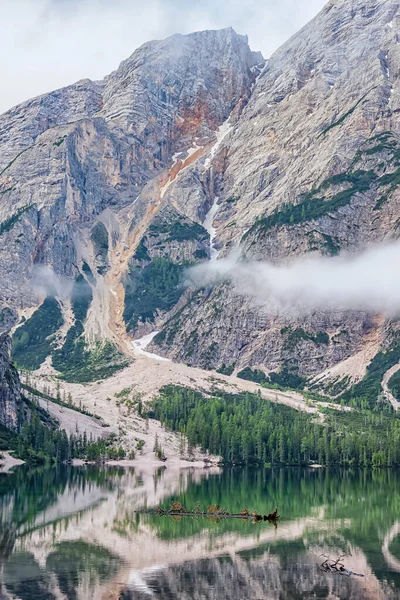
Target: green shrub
{"x": 181, "y": 232}
{"x": 81, "y": 298}
{"x": 368, "y": 390}
{"x": 394, "y": 385}
{"x": 312, "y": 207}
{"x": 295, "y": 336}
{"x": 9, "y": 223}
{"x": 77, "y": 363}
{"x": 156, "y": 287}
{"x": 284, "y": 379}
{"x": 226, "y": 369}
{"x": 253, "y": 375}
{"x": 343, "y": 117}
{"x": 88, "y": 272}
{"x": 141, "y": 251}
{"x": 31, "y": 342}
{"x": 330, "y": 246}
{"x": 200, "y": 254}
{"x": 13, "y": 160}
{"x": 60, "y": 141}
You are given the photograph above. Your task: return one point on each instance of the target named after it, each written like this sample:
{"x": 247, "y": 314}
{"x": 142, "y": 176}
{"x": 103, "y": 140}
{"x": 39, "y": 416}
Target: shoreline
{"x": 8, "y": 462}
{"x": 149, "y": 463}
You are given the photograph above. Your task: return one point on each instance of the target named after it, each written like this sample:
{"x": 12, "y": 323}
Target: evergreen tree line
{"x": 42, "y": 444}
{"x": 246, "y": 429}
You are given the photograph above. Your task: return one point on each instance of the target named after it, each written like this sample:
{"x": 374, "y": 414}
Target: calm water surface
{"x": 73, "y": 533}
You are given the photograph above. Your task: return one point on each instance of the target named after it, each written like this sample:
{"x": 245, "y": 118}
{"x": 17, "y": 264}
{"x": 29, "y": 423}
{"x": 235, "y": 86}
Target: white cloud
{"x": 366, "y": 281}
{"x": 46, "y": 44}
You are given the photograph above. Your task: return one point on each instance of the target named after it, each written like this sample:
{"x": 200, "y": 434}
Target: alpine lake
{"x": 75, "y": 533}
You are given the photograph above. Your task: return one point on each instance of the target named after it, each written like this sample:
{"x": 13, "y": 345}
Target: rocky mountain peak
{"x": 189, "y": 82}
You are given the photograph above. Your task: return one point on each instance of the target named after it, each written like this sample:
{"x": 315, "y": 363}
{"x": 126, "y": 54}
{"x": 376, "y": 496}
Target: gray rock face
{"x": 323, "y": 113}
{"x": 208, "y": 333}
{"x": 10, "y": 388}
{"x": 194, "y": 118}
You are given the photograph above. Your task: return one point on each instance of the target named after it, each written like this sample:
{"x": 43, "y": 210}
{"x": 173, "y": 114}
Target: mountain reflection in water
{"x": 74, "y": 533}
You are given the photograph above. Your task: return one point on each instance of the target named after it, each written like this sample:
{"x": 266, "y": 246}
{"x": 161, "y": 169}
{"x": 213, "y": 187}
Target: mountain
{"x": 193, "y": 146}
{"x": 317, "y": 142}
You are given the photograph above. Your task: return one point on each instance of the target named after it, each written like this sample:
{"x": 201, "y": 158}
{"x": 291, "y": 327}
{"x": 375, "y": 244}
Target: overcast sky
{"x": 47, "y": 44}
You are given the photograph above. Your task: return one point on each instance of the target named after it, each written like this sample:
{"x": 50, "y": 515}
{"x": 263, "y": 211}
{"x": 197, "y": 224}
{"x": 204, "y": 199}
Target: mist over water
{"x": 368, "y": 281}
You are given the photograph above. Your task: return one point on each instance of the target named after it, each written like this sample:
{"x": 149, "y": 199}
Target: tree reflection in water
{"x": 74, "y": 533}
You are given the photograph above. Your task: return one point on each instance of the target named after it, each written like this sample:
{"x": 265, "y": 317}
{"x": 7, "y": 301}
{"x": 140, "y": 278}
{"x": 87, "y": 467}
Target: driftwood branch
{"x": 330, "y": 565}
{"x": 213, "y": 511}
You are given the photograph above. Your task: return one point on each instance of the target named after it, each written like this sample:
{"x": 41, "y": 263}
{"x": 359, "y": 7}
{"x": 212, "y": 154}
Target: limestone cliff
{"x": 310, "y": 167}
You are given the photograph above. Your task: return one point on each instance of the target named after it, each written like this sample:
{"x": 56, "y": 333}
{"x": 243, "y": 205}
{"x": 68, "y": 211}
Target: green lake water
{"x": 74, "y": 533}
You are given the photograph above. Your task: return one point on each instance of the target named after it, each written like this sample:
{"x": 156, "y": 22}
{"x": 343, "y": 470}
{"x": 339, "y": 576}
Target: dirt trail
{"x": 385, "y": 386}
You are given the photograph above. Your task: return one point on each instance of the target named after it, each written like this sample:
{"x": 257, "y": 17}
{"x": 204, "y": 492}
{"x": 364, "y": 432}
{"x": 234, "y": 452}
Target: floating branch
{"x": 330, "y": 565}
{"x": 213, "y": 511}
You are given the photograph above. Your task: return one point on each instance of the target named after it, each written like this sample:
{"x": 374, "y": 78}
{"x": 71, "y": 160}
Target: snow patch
{"x": 387, "y": 67}
{"x": 262, "y": 70}
{"x": 192, "y": 150}
{"x": 209, "y": 227}
{"x": 222, "y": 132}
{"x": 175, "y": 160}
{"x": 141, "y": 344}
{"x": 390, "y": 25}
